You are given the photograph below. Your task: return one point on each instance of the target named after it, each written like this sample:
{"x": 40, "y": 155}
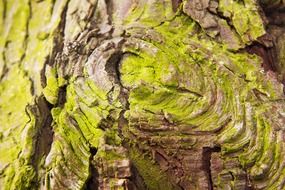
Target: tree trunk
{"x": 142, "y": 94}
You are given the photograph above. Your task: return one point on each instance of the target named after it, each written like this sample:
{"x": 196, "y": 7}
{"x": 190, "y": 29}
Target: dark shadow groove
{"x": 92, "y": 182}
{"x": 206, "y": 165}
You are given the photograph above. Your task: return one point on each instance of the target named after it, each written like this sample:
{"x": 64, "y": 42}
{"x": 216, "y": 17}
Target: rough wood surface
{"x": 142, "y": 94}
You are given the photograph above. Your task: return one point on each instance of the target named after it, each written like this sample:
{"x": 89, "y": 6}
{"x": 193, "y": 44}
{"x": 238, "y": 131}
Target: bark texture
{"x": 142, "y": 94}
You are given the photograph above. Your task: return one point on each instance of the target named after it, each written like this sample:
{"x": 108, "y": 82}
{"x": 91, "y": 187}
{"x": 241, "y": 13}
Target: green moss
{"x": 150, "y": 15}
{"x": 110, "y": 156}
{"x": 171, "y": 61}
{"x": 173, "y": 74}
{"x": 28, "y": 53}
{"x": 248, "y": 157}
{"x": 1, "y": 15}
{"x": 14, "y": 90}
{"x": 153, "y": 177}
{"x": 38, "y": 49}
{"x": 181, "y": 76}
{"x": 52, "y": 87}
{"x": 77, "y": 129}
{"x": 69, "y": 153}
{"x": 15, "y": 30}
{"x": 23, "y": 178}
{"x": 15, "y": 142}
{"x": 263, "y": 163}
{"x": 156, "y": 74}
{"x": 245, "y": 18}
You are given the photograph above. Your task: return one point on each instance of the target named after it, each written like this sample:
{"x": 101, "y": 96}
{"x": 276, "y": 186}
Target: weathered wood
{"x": 142, "y": 94}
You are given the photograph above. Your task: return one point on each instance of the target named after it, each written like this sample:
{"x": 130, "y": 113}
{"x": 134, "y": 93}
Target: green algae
{"x": 173, "y": 74}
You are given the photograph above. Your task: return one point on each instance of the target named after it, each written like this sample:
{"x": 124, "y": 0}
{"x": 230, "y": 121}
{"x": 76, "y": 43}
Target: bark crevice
{"x": 206, "y": 163}
{"x": 44, "y": 136}
{"x": 92, "y": 182}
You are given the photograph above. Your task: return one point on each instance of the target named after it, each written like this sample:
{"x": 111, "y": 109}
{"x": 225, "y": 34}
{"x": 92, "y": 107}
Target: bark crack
{"x": 44, "y": 136}
{"x": 109, "y": 5}
{"x": 206, "y": 166}
{"x": 25, "y": 43}
{"x": 4, "y": 2}
{"x": 92, "y": 182}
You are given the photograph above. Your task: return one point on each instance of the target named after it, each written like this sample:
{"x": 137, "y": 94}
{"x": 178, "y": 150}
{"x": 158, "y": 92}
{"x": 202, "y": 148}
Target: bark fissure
{"x": 25, "y": 42}
{"x": 92, "y": 182}
{"x": 44, "y": 135}
{"x": 109, "y": 5}
{"x": 207, "y": 152}
{"x": 4, "y": 2}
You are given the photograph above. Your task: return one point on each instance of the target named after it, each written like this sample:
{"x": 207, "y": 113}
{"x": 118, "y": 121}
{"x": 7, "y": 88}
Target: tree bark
{"x": 142, "y": 94}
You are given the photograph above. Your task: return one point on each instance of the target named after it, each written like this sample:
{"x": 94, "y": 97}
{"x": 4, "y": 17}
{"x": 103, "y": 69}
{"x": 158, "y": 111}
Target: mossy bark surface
{"x": 142, "y": 94}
